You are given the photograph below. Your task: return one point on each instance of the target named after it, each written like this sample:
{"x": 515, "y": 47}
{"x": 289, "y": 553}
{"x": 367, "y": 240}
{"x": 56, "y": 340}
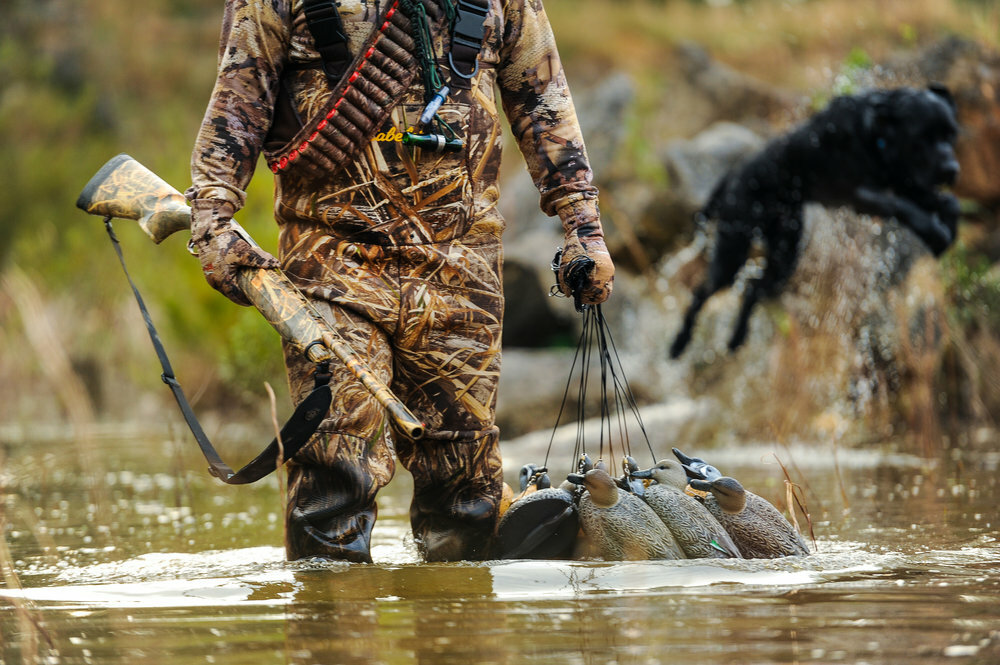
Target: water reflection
{"x": 904, "y": 572}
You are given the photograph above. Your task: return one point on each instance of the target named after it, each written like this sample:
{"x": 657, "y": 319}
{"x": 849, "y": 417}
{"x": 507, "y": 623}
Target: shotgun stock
{"x": 126, "y": 189}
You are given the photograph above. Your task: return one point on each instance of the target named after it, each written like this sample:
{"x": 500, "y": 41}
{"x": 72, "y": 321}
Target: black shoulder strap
{"x": 327, "y": 30}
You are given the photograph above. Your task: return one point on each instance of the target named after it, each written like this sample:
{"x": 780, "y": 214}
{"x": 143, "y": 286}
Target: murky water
{"x": 151, "y": 558}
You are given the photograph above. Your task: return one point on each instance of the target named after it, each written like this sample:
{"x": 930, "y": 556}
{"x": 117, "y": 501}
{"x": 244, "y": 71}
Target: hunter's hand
{"x": 586, "y": 272}
{"x": 222, "y": 250}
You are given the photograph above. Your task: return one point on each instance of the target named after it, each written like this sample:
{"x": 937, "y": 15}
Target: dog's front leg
{"x": 782, "y": 258}
{"x": 936, "y": 233}
{"x": 948, "y": 210}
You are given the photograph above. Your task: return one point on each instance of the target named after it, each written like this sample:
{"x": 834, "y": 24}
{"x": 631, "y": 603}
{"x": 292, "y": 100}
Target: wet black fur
{"x": 884, "y": 152}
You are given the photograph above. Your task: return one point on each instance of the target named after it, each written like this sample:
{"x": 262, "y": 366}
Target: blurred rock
{"x": 696, "y": 165}
{"x": 693, "y": 167}
{"x": 530, "y": 320}
{"x": 732, "y": 94}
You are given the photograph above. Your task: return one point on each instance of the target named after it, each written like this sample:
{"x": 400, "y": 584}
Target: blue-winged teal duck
{"x": 699, "y": 534}
{"x": 619, "y": 524}
{"x": 757, "y": 527}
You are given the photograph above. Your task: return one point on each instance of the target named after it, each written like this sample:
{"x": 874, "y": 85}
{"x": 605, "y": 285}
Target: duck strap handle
{"x": 359, "y": 105}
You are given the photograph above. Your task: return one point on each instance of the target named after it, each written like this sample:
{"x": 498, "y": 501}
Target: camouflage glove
{"x": 583, "y": 266}
{"x": 222, "y": 248}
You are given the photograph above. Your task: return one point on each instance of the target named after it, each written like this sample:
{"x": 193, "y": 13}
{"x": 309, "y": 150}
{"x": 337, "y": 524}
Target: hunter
{"x": 380, "y": 123}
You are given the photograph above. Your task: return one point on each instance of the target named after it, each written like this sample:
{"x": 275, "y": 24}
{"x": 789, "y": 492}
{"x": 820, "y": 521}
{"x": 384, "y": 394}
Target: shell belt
{"x": 359, "y": 105}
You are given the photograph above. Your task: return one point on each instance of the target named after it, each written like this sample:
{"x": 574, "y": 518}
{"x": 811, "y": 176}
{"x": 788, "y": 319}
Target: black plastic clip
{"x": 575, "y": 276}
{"x": 468, "y": 32}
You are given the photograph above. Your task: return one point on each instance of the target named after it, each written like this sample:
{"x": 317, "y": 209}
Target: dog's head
{"x": 914, "y": 133}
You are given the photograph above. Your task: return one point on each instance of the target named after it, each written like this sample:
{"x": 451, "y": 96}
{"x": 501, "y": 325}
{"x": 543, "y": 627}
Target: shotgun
{"x": 126, "y": 189}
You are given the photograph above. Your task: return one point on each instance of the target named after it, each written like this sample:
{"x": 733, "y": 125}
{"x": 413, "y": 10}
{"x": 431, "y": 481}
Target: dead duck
{"x": 757, "y": 528}
{"x": 620, "y": 525}
{"x": 699, "y": 534}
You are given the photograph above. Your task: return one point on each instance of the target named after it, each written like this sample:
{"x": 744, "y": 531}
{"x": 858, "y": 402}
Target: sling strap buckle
{"x": 469, "y": 28}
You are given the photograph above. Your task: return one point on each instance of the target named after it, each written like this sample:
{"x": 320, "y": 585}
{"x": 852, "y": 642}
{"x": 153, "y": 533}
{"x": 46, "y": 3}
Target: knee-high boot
{"x": 331, "y": 497}
{"x": 457, "y": 485}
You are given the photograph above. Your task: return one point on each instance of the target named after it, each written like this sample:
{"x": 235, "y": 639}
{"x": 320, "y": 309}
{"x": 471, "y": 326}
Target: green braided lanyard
{"x": 429, "y": 69}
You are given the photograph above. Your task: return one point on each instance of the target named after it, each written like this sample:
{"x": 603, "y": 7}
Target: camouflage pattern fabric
{"x": 427, "y": 320}
{"x": 401, "y": 252}
{"x": 222, "y": 250}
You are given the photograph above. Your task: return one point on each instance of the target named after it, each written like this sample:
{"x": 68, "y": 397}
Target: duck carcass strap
{"x": 361, "y": 102}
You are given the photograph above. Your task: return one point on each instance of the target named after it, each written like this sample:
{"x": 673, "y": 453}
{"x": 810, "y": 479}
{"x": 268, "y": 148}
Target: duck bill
{"x": 644, "y": 473}
{"x": 700, "y": 485}
{"x": 682, "y": 458}
{"x": 697, "y": 468}
{"x": 575, "y": 478}
{"x": 694, "y": 472}
{"x": 685, "y": 460}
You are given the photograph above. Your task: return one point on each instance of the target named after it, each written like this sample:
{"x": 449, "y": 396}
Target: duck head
{"x": 602, "y": 487}
{"x": 527, "y": 471}
{"x": 665, "y": 472}
{"x": 696, "y": 467}
{"x": 584, "y": 464}
{"x": 729, "y": 493}
{"x": 533, "y": 478}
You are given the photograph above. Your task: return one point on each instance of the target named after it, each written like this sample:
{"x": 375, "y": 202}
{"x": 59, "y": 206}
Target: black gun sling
{"x": 295, "y": 434}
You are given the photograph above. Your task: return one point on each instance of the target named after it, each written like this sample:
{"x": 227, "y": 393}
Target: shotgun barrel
{"x": 125, "y": 189}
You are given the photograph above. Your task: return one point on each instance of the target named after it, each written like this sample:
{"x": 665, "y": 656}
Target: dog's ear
{"x": 942, "y": 91}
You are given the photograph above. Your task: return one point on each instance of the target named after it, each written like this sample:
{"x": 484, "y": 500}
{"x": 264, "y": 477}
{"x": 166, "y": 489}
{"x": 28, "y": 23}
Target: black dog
{"x": 883, "y": 152}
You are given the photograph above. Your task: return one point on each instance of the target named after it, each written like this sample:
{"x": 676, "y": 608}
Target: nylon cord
{"x": 617, "y": 403}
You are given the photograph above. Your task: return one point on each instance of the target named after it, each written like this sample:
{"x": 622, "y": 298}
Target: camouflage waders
{"x": 400, "y": 249}
{"x": 427, "y": 319}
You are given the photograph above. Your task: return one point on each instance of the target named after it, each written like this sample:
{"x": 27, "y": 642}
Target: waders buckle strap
{"x": 295, "y": 434}
{"x": 467, "y": 39}
{"x": 327, "y": 28}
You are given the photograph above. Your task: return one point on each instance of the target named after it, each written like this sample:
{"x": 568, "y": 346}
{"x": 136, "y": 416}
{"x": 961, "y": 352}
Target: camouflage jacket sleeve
{"x": 255, "y": 39}
{"x": 537, "y": 102}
